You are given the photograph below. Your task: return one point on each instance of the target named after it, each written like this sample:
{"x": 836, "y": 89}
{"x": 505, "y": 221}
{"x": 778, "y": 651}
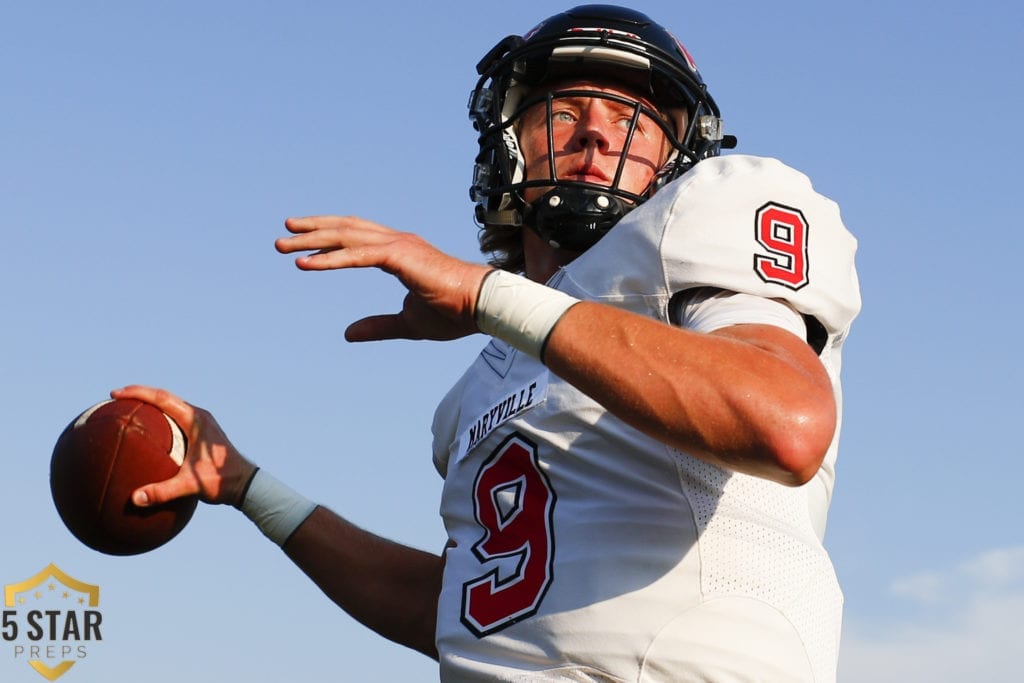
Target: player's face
{"x": 589, "y": 134}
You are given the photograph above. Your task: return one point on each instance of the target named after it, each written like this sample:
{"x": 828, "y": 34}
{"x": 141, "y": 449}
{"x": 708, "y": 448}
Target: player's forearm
{"x": 390, "y": 588}
{"x": 754, "y": 399}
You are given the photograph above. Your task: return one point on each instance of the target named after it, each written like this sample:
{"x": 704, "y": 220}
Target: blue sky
{"x": 150, "y": 152}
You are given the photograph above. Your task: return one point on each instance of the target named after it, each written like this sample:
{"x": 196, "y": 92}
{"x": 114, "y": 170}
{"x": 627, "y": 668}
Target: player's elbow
{"x": 799, "y": 446}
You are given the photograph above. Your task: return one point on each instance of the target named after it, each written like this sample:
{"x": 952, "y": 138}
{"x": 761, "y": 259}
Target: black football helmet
{"x": 606, "y": 43}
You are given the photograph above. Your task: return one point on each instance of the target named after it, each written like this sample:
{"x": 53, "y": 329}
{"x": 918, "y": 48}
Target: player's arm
{"x": 753, "y": 398}
{"x": 389, "y": 587}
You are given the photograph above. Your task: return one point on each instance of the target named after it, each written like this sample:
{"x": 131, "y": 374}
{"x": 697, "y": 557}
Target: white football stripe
{"x": 89, "y": 411}
{"x": 177, "y": 442}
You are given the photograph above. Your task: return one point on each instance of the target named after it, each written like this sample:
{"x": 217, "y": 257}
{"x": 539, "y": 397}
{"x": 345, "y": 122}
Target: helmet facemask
{"x": 571, "y": 213}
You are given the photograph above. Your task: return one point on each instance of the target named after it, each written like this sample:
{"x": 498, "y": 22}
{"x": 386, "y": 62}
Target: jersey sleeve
{"x": 746, "y": 224}
{"x": 755, "y": 226}
{"x": 707, "y": 309}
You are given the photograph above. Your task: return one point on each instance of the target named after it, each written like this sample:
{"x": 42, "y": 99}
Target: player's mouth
{"x": 587, "y": 173}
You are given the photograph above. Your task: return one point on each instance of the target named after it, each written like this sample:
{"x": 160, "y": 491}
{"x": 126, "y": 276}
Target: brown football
{"x": 101, "y": 457}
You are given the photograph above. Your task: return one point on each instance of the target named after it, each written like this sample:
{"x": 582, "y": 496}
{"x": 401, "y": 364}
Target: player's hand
{"x": 442, "y": 289}
{"x": 213, "y": 469}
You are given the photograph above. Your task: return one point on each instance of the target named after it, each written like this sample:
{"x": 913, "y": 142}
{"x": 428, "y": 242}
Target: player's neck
{"x": 543, "y": 260}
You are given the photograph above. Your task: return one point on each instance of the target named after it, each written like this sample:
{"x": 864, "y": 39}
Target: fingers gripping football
{"x": 213, "y": 469}
{"x": 442, "y": 289}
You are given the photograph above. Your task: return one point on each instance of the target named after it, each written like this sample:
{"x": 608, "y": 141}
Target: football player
{"x": 638, "y": 465}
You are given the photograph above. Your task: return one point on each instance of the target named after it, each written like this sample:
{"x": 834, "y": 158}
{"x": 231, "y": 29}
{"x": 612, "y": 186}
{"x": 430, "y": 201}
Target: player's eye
{"x": 645, "y": 125}
{"x": 563, "y": 116}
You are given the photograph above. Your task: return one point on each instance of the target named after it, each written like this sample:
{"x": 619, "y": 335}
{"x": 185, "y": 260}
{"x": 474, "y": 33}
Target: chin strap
{"x": 575, "y": 218}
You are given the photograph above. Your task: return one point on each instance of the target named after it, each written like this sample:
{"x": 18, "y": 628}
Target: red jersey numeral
{"x": 514, "y": 503}
{"x": 782, "y": 231}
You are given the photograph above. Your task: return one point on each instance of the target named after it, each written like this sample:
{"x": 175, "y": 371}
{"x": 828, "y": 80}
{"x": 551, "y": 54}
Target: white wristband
{"x": 276, "y": 509}
{"x": 519, "y": 311}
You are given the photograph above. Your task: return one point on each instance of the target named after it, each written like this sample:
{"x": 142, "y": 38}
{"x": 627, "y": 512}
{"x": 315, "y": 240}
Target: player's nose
{"x": 591, "y": 129}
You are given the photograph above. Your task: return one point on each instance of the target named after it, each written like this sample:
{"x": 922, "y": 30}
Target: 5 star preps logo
{"x": 50, "y": 620}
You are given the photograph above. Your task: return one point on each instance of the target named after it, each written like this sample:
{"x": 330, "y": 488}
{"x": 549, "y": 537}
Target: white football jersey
{"x": 583, "y": 550}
